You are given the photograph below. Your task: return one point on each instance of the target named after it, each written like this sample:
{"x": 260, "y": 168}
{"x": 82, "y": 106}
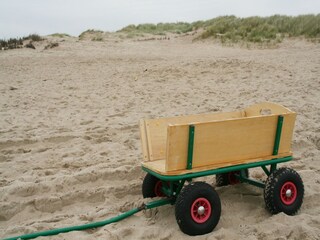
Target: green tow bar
{"x": 118, "y": 218}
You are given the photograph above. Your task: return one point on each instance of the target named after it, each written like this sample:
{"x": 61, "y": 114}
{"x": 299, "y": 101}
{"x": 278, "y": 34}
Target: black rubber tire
{"x": 272, "y": 191}
{"x": 224, "y": 180}
{"x": 186, "y": 198}
{"x": 149, "y": 185}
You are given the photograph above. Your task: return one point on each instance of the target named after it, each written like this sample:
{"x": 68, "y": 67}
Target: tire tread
{"x": 270, "y": 191}
{"x": 182, "y": 208}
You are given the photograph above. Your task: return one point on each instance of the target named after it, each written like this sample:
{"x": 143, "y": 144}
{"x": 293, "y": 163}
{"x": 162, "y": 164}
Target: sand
{"x": 69, "y": 136}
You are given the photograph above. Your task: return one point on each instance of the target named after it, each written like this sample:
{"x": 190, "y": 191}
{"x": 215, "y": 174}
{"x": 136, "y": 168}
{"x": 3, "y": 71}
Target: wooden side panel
{"x": 288, "y": 124}
{"x": 262, "y": 108}
{"x": 156, "y": 129}
{"x": 156, "y": 136}
{"x": 144, "y": 143}
{"x": 177, "y": 147}
{"x": 225, "y": 142}
{"x": 287, "y": 132}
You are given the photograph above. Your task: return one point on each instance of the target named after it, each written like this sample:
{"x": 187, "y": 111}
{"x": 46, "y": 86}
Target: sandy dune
{"x": 69, "y": 135}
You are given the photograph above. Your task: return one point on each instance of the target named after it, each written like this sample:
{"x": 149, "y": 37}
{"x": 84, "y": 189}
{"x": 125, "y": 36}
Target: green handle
{"x": 118, "y": 218}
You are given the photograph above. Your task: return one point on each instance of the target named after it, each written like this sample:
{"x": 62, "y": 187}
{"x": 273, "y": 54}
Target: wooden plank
{"x": 156, "y": 138}
{"x": 144, "y": 143}
{"x": 288, "y": 124}
{"x": 177, "y": 146}
{"x": 159, "y": 165}
{"x": 287, "y": 132}
{"x": 266, "y": 108}
{"x": 156, "y": 129}
{"x": 227, "y": 141}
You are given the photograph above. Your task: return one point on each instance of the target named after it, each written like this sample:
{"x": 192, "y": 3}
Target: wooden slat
{"x": 159, "y": 165}
{"x": 287, "y": 132}
{"x": 156, "y": 138}
{"x": 156, "y": 129}
{"x": 258, "y": 109}
{"x": 227, "y": 141}
{"x": 144, "y": 143}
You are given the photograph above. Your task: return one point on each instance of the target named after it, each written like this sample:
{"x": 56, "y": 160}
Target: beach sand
{"x": 70, "y": 147}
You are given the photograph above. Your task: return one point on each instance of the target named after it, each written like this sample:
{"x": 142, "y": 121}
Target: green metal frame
{"x": 175, "y": 182}
{"x": 172, "y": 188}
{"x": 190, "y": 147}
{"x": 188, "y": 176}
{"x": 278, "y": 135}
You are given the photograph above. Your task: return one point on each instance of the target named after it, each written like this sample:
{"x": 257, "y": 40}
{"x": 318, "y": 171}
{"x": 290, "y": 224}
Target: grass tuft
{"x": 231, "y": 29}
{"x": 158, "y": 29}
{"x": 60, "y": 35}
{"x": 89, "y": 32}
{"x": 261, "y": 29}
{"x": 51, "y": 45}
{"x": 11, "y": 43}
{"x": 34, "y": 38}
{"x": 97, "y": 39}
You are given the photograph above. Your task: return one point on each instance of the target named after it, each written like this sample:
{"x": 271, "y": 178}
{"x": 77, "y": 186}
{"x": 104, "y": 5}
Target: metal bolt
{"x": 201, "y": 210}
{"x": 288, "y": 193}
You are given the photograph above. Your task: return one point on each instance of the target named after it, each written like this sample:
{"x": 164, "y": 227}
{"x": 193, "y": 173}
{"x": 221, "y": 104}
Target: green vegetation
{"x": 262, "y": 29}
{"x": 158, "y": 29}
{"x": 233, "y": 29}
{"x": 13, "y": 43}
{"x": 60, "y": 35}
{"x": 227, "y": 29}
{"x": 51, "y": 45}
{"x": 97, "y": 39}
{"x": 133, "y": 35}
{"x": 89, "y": 31}
{"x": 33, "y": 37}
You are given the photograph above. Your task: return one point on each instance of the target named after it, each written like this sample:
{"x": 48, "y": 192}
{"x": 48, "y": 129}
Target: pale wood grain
{"x": 221, "y": 139}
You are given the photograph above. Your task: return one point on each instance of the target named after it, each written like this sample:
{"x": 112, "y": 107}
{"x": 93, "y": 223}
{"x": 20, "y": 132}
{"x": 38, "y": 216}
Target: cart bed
{"x": 220, "y": 139}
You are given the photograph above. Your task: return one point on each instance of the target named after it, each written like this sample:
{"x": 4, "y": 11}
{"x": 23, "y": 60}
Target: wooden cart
{"x": 179, "y": 149}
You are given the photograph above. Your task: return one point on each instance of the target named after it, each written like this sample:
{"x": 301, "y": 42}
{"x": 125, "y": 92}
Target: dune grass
{"x": 158, "y": 29}
{"x": 34, "y": 37}
{"x": 228, "y": 29}
{"x": 59, "y": 35}
{"x": 262, "y": 29}
{"x": 13, "y": 43}
{"x": 234, "y": 29}
{"x": 92, "y": 32}
{"x": 97, "y": 39}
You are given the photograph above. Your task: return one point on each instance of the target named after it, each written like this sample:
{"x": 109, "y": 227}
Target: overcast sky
{"x": 22, "y": 17}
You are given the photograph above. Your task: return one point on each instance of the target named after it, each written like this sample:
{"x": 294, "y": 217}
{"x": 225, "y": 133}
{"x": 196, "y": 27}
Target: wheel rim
{"x": 232, "y": 178}
{"x": 288, "y": 193}
{"x": 158, "y": 189}
{"x": 200, "y": 210}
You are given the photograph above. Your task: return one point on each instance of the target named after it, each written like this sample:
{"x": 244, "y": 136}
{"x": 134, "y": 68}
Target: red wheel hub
{"x": 288, "y": 193}
{"x": 200, "y": 210}
{"x": 158, "y": 189}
